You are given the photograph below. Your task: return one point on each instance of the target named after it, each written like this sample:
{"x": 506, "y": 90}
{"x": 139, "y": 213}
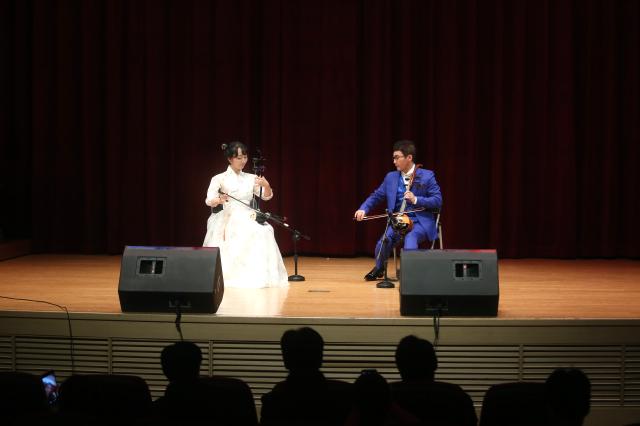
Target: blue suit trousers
{"x": 411, "y": 242}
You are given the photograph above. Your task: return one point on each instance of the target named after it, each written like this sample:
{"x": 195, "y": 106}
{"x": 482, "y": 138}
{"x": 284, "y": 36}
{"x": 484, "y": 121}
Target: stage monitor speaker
{"x": 449, "y": 282}
{"x": 163, "y": 279}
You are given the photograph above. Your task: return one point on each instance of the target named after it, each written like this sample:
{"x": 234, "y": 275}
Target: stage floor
{"x": 552, "y": 313}
{"x": 334, "y": 288}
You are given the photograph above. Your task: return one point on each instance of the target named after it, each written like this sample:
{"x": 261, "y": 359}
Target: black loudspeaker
{"x": 165, "y": 279}
{"x": 449, "y": 282}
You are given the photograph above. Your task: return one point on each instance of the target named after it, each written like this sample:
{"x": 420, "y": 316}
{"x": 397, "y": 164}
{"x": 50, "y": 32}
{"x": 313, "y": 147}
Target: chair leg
{"x": 439, "y": 233}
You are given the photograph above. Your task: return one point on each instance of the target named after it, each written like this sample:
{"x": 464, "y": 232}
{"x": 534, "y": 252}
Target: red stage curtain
{"x": 113, "y": 112}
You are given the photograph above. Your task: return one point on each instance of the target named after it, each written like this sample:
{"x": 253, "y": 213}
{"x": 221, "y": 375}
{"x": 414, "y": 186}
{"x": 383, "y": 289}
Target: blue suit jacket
{"x": 424, "y": 187}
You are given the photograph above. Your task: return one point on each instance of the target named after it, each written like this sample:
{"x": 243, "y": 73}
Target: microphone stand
{"x": 280, "y": 221}
{"x": 258, "y": 170}
{"x": 296, "y": 235}
{"x": 386, "y": 282}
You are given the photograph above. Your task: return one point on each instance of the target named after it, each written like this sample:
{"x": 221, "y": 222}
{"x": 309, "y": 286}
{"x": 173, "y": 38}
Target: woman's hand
{"x": 263, "y": 182}
{"x": 216, "y": 201}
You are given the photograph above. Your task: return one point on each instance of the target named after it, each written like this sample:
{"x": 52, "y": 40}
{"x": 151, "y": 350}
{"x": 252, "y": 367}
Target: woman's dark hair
{"x": 231, "y": 150}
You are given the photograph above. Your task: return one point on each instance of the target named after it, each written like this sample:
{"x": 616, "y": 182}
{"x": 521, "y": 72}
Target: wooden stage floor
{"x": 529, "y": 289}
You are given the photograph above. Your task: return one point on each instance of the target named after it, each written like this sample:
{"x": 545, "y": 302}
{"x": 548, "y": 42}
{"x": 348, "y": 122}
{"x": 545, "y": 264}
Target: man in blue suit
{"x": 423, "y": 193}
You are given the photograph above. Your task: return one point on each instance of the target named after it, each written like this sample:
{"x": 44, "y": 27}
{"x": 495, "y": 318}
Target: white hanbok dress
{"x": 248, "y": 250}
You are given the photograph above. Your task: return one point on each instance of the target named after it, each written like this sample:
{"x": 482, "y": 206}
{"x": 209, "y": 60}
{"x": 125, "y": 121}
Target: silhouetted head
{"x": 416, "y": 358}
{"x": 302, "y": 349}
{"x": 372, "y": 396}
{"x": 569, "y": 395}
{"x": 181, "y": 361}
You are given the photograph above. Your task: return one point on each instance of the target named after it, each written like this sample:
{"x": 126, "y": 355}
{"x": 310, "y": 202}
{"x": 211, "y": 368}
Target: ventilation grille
{"x": 39, "y": 354}
{"x": 259, "y": 364}
{"x": 602, "y": 364}
{"x": 6, "y": 353}
{"x": 476, "y": 368}
{"x": 614, "y": 371}
{"x": 631, "y": 376}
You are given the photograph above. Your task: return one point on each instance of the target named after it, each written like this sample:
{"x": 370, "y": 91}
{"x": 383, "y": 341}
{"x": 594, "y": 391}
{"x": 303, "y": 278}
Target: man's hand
{"x": 410, "y": 197}
{"x": 359, "y": 215}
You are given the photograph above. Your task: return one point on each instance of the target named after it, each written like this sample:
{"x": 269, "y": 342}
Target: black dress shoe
{"x": 374, "y": 274}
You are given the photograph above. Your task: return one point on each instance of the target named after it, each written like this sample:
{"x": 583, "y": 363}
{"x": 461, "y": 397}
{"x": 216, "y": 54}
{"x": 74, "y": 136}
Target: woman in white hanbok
{"x": 248, "y": 250}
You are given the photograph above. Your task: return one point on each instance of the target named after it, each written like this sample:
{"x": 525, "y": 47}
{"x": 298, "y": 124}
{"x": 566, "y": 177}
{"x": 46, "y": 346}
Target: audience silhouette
{"x": 191, "y": 399}
{"x": 515, "y": 404}
{"x": 104, "y": 399}
{"x": 181, "y": 361}
{"x": 373, "y": 405}
{"x": 22, "y": 397}
{"x": 431, "y": 401}
{"x": 564, "y": 400}
{"x": 305, "y": 396}
{"x": 569, "y": 396}
{"x": 181, "y": 365}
